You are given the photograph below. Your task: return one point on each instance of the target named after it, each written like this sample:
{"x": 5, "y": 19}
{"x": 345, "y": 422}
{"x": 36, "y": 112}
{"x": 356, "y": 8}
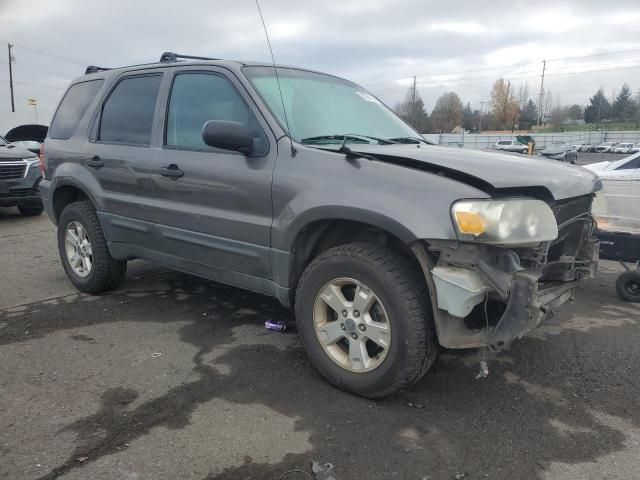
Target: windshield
{"x": 322, "y": 109}
{"x": 3, "y": 141}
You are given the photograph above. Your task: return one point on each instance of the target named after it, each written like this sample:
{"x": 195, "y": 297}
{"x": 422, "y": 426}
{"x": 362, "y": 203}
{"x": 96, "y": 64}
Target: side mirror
{"x": 227, "y": 135}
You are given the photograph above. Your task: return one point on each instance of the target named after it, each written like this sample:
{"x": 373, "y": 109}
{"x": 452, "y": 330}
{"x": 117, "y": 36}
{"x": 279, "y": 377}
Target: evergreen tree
{"x": 413, "y": 112}
{"x": 623, "y": 107}
{"x": 598, "y": 109}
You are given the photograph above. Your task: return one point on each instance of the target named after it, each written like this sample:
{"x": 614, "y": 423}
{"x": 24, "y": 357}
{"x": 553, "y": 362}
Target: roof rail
{"x": 167, "y": 57}
{"x": 94, "y": 69}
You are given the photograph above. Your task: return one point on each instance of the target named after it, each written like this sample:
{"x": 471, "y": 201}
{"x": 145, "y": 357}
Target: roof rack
{"x": 95, "y": 69}
{"x": 173, "y": 57}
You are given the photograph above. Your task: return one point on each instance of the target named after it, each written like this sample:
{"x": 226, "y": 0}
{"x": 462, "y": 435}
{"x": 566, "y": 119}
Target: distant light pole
{"x": 32, "y": 102}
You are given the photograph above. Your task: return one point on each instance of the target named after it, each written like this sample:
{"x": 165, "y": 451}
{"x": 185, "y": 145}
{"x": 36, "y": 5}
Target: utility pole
{"x": 506, "y": 101}
{"x": 13, "y": 107}
{"x": 544, "y": 67}
{"x": 414, "y": 115}
{"x": 480, "y": 121}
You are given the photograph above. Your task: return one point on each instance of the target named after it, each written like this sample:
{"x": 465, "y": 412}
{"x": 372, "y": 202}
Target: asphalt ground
{"x": 174, "y": 377}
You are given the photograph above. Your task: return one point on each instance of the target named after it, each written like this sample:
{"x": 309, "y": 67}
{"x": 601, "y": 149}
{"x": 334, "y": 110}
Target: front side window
{"x": 629, "y": 164}
{"x": 127, "y": 115}
{"x": 325, "y": 109}
{"x": 197, "y": 98}
{"x": 73, "y": 105}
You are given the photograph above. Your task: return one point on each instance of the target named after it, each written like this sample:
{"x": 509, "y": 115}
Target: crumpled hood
{"x": 13, "y": 152}
{"x": 497, "y": 170}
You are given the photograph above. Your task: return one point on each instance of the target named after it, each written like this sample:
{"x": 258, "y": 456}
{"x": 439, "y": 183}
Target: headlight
{"x": 506, "y": 222}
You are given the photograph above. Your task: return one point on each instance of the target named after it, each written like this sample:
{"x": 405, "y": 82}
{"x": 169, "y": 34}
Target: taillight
{"x": 41, "y": 157}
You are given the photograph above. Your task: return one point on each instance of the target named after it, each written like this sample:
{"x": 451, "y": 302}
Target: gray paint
{"x": 235, "y": 219}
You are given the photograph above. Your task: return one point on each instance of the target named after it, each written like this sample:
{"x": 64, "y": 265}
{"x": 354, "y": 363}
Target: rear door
{"x": 119, "y": 155}
{"x": 216, "y": 210}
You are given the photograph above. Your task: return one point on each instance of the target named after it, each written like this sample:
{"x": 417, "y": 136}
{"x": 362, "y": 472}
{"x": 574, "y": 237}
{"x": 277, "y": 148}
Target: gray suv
{"x": 19, "y": 178}
{"x": 305, "y": 187}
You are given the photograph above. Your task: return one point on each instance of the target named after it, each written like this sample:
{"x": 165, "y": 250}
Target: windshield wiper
{"x": 410, "y": 140}
{"x": 342, "y": 138}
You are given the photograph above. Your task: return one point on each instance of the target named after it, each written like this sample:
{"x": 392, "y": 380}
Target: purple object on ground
{"x": 275, "y": 325}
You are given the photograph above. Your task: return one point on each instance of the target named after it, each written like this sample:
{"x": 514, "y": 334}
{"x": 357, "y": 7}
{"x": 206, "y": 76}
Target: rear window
{"x": 504, "y": 142}
{"x": 127, "y": 115}
{"x": 73, "y": 105}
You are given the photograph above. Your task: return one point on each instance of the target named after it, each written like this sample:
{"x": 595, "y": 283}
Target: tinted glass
{"x": 630, "y": 165}
{"x": 199, "y": 97}
{"x": 127, "y": 115}
{"x": 72, "y": 107}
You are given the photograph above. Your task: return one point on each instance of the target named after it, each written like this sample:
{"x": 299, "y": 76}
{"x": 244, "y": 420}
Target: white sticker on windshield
{"x": 368, "y": 97}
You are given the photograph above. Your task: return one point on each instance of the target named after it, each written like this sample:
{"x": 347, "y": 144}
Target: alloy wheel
{"x": 352, "y": 325}
{"x": 78, "y": 249}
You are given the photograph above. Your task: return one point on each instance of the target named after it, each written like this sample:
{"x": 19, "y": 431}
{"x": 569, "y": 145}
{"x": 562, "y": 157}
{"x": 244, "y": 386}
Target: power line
{"x": 499, "y": 67}
{"x": 456, "y": 82}
{"x": 35, "y": 85}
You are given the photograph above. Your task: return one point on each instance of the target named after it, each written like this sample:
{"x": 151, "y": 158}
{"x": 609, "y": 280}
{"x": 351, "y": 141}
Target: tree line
{"x": 511, "y": 109}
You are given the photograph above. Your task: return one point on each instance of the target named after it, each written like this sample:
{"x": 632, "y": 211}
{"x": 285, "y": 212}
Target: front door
{"x": 213, "y": 207}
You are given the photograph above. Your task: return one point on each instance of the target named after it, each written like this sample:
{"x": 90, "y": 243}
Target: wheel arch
{"x": 320, "y": 234}
{"x": 66, "y": 193}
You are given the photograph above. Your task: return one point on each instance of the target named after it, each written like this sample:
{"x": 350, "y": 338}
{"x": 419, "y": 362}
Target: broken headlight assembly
{"x": 504, "y": 222}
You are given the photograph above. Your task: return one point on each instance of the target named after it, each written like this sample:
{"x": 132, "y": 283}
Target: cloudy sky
{"x": 461, "y": 46}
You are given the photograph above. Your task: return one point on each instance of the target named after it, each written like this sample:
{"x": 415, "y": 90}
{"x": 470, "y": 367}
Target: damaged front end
{"x": 489, "y": 295}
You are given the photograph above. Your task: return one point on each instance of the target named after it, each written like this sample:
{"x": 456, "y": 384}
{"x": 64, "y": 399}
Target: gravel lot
{"x": 175, "y": 377}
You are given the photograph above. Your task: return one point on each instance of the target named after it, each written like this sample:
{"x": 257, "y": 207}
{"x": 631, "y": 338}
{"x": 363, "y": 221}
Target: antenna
{"x": 273, "y": 60}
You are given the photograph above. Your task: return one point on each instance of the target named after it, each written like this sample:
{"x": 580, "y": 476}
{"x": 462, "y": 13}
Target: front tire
{"x": 385, "y": 346}
{"x": 83, "y": 250}
{"x": 628, "y": 286}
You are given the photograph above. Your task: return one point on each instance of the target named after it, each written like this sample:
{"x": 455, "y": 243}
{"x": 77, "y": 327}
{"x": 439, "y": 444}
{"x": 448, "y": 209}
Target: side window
{"x": 632, "y": 165}
{"x": 127, "y": 115}
{"x": 199, "y": 97}
{"x": 73, "y": 105}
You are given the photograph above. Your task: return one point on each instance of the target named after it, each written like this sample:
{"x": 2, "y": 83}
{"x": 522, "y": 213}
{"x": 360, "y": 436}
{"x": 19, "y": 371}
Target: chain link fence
{"x": 487, "y": 141}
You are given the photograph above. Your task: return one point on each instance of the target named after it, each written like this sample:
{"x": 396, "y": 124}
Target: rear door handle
{"x": 171, "y": 171}
{"x": 95, "y": 162}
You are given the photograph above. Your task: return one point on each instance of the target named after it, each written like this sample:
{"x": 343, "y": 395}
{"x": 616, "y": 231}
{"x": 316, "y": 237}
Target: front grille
{"x": 20, "y": 192}
{"x": 8, "y": 172}
{"x": 565, "y": 210}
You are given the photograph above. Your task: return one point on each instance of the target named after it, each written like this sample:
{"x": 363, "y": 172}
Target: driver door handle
{"x": 172, "y": 171}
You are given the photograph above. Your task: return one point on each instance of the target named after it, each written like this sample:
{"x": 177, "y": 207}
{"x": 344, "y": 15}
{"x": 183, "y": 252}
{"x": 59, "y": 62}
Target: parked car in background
{"x": 580, "y": 147}
{"x": 192, "y": 165}
{"x": 623, "y": 168}
{"x": 30, "y": 145}
{"x": 560, "y": 151}
{"x": 623, "y": 148}
{"x": 511, "y": 146}
{"x": 605, "y": 147}
{"x": 19, "y": 178}
{"x": 636, "y": 148}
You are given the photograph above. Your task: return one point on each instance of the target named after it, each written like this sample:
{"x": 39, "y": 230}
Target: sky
{"x": 461, "y": 46}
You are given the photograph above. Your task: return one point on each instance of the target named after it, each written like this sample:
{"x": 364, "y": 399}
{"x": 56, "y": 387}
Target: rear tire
{"x": 398, "y": 286}
{"x": 102, "y": 272}
{"x": 30, "y": 210}
{"x": 524, "y": 151}
{"x": 628, "y": 286}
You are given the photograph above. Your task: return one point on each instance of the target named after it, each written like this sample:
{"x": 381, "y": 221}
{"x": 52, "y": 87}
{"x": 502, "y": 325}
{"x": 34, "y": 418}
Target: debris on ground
{"x": 323, "y": 472}
{"x": 82, "y": 459}
{"x": 460, "y": 476}
{"x": 419, "y": 406}
{"x": 484, "y": 370}
{"x": 290, "y": 472}
{"x": 156, "y": 355}
{"x": 275, "y": 325}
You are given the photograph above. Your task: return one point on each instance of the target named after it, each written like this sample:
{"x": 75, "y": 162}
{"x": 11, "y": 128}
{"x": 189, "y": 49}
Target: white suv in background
{"x": 623, "y": 148}
{"x": 510, "y": 146}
